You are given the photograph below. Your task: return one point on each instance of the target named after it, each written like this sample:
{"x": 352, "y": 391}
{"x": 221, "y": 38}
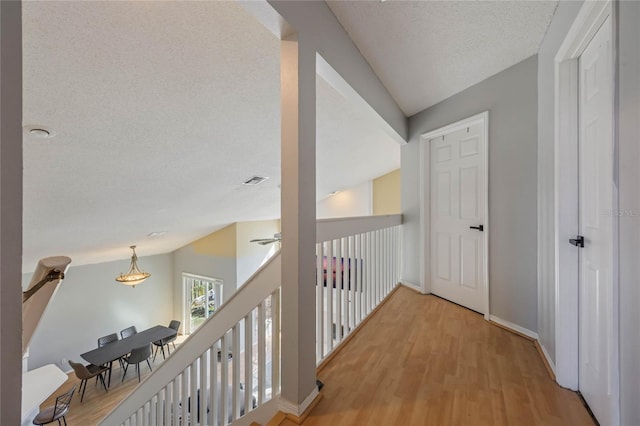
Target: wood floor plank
{"x": 419, "y": 361}
{"x": 424, "y": 361}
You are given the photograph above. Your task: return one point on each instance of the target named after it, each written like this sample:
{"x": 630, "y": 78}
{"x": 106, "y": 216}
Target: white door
{"x": 457, "y": 216}
{"x": 596, "y": 226}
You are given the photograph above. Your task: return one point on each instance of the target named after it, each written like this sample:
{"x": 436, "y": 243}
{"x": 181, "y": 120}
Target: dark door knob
{"x": 479, "y": 228}
{"x": 578, "y": 241}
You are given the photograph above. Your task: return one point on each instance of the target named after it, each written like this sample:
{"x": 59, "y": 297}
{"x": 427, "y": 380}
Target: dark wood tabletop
{"x": 119, "y": 348}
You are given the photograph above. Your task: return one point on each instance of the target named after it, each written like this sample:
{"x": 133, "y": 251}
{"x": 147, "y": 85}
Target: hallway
{"x": 424, "y": 361}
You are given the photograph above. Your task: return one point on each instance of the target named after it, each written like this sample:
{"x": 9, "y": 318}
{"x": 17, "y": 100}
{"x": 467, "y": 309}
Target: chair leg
{"x": 155, "y": 352}
{"x": 138, "y": 370}
{"x": 110, "y": 367}
{"x": 60, "y": 424}
{"x": 65, "y": 420}
{"x": 151, "y": 369}
{"x": 162, "y": 347}
{"x": 103, "y": 383}
{"x": 124, "y": 373}
{"x": 84, "y": 381}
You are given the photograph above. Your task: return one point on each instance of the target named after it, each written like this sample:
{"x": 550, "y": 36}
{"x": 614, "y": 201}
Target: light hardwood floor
{"x": 96, "y": 403}
{"x": 420, "y": 360}
{"x": 424, "y": 361}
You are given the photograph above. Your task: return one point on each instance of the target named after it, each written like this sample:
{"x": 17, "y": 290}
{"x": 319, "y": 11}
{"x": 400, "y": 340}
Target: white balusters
{"x": 355, "y": 272}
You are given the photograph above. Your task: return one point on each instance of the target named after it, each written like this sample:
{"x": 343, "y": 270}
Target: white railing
{"x": 357, "y": 266}
{"x": 234, "y": 356}
{"x": 232, "y": 365}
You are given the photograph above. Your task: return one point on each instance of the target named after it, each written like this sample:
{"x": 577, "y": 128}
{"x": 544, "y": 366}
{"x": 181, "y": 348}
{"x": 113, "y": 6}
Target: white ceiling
{"x": 161, "y": 110}
{"x": 426, "y": 51}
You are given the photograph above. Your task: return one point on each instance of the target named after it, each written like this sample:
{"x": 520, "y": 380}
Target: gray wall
{"x": 628, "y": 127}
{"x": 511, "y": 98}
{"x": 11, "y": 211}
{"x": 89, "y": 303}
{"x": 562, "y": 20}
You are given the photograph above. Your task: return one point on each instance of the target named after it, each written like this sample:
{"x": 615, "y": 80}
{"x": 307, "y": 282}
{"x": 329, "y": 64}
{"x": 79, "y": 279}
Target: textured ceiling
{"x": 161, "y": 110}
{"x": 426, "y": 51}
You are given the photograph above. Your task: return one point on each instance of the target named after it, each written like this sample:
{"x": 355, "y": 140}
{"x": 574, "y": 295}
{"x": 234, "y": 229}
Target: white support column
{"x": 298, "y": 199}
{"x": 10, "y": 212}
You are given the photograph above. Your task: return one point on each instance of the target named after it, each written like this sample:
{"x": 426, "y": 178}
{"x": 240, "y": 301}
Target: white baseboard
{"x": 547, "y": 357}
{"x": 412, "y": 286}
{"x": 295, "y": 409}
{"x": 514, "y": 327}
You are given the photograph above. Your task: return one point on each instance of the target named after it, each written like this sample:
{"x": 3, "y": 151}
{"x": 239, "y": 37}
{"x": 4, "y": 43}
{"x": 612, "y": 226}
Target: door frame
{"x": 588, "y": 21}
{"x": 425, "y": 200}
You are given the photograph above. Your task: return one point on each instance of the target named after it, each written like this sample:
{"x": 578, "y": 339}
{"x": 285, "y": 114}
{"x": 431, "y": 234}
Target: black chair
{"x": 86, "y": 372}
{"x": 129, "y": 331}
{"x": 137, "y": 355}
{"x": 57, "y": 412}
{"x": 160, "y": 344}
{"x": 105, "y": 340}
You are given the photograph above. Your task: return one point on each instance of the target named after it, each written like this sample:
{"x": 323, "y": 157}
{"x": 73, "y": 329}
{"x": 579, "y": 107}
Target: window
{"x": 203, "y": 296}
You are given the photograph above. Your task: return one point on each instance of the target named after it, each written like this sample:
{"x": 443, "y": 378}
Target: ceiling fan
{"x": 264, "y": 241}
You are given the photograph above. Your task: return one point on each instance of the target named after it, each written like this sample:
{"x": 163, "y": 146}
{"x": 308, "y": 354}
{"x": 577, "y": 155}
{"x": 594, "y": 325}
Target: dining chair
{"x": 105, "y": 340}
{"x": 137, "y": 355}
{"x": 129, "y": 331}
{"x": 160, "y": 344}
{"x": 58, "y": 411}
{"x": 86, "y": 372}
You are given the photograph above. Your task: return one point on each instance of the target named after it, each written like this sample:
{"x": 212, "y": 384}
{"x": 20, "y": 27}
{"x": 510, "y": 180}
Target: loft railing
{"x": 357, "y": 266}
{"x": 230, "y": 365}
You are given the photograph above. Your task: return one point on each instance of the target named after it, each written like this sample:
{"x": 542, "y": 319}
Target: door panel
{"x": 457, "y": 202}
{"x": 595, "y": 164}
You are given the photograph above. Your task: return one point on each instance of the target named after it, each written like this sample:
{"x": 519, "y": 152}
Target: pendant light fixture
{"x": 134, "y": 275}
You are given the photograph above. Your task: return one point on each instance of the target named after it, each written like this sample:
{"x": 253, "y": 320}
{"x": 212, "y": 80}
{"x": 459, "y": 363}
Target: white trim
{"x": 424, "y": 249}
{"x": 525, "y": 331}
{"x": 295, "y": 409}
{"x": 412, "y": 286}
{"x": 334, "y": 228}
{"x": 589, "y": 20}
{"x": 550, "y": 362}
{"x": 514, "y": 327}
{"x": 425, "y": 191}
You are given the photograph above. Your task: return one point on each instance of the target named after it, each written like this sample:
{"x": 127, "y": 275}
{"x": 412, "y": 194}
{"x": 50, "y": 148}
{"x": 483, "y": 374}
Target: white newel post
{"x": 10, "y": 212}
{"x": 298, "y": 201}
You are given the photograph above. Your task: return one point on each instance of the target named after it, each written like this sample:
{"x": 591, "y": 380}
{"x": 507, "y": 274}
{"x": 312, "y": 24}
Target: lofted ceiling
{"x": 161, "y": 110}
{"x": 426, "y": 51}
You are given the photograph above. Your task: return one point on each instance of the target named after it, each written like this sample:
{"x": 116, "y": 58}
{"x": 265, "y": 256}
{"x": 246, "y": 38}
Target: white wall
{"x": 511, "y": 98}
{"x": 562, "y": 20}
{"x": 352, "y": 202}
{"x": 89, "y": 304}
{"x": 250, "y": 256}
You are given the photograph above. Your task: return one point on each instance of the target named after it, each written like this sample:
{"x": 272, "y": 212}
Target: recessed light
{"x": 333, "y": 193}
{"x": 39, "y": 132}
{"x": 255, "y": 180}
{"x": 157, "y": 234}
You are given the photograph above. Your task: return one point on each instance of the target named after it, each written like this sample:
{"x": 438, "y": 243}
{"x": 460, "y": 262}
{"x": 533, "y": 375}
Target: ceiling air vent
{"x": 255, "y": 180}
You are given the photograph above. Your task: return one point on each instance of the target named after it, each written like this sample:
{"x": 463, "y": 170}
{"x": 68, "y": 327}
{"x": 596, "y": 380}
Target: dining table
{"x": 112, "y": 351}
